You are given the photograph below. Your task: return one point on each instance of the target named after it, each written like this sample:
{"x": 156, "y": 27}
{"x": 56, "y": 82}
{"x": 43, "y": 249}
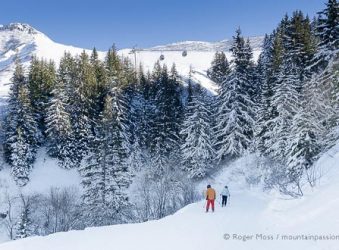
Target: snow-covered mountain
{"x": 23, "y": 41}
{"x": 223, "y": 45}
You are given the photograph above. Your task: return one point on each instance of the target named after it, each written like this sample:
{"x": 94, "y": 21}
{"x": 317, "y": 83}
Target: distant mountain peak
{"x": 24, "y": 27}
{"x": 224, "y": 45}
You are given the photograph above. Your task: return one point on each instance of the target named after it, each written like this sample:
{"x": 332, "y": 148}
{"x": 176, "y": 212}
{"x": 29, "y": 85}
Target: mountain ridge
{"x": 223, "y": 45}
{"x": 19, "y": 26}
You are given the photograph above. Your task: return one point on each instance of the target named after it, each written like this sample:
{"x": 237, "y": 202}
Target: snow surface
{"x": 45, "y": 175}
{"x": 224, "y": 45}
{"x": 250, "y": 212}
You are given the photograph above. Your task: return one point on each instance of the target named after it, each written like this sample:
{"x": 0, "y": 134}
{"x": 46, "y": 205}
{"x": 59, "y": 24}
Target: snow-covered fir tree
{"x": 21, "y": 129}
{"x": 220, "y": 68}
{"x": 285, "y": 100}
{"x": 235, "y": 115}
{"x": 80, "y": 105}
{"x": 23, "y": 229}
{"x": 105, "y": 174}
{"x": 304, "y": 144}
{"x": 293, "y": 44}
{"x": 166, "y": 97}
{"x": 140, "y": 106}
{"x": 58, "y": 122}
{"x": 197, "y": 149}
{"x": 113, "y": 65}
{"x": 265, "y": 111}
{"x": 100, "y": 88}
{"x": 327, "y": 30}
{"x": 41, "y": 80}
{"x": 138, "y": 127}
{"x": 325, "y": 66}
{"x": 25, "y": 225}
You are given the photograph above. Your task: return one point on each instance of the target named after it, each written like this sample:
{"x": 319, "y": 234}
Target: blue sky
{"x": 150, "y": 22}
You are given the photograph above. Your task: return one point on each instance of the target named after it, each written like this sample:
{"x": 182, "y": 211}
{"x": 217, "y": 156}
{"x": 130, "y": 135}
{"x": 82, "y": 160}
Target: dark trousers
{"x": 224, "y": 200}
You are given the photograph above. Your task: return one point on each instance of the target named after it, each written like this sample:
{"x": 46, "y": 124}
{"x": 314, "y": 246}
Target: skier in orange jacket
{"x": 210, "y": 197}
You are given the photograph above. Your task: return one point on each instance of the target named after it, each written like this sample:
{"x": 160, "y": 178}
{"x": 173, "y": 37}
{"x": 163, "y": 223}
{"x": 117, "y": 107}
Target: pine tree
{"x": 24, "y": 227}
{"x": 326, "y": 90}
{"x": 147, "y": 111}
{"x": 144, "y": 84}
{"x": 265, "y": 111}
{"x": 128, "y": 76}
{"x": 165, "y": 132}
{"x": 100, "y": 89}
{"x": 106, "y": 175}
{"x": 299, "y": 43}
{"x": 324, "y": 67}
{"x": 235, "y": 115}
{"x": 197, "y": 150}
{"x": 139, "y": 122}
{"x": 137, "y": 156}
{"x": 21, "y": 129}
{"x": 177, "y": 105}
{"x": 113, "y": 66}
{"x": 304, "y": 143}
{"x": 41, "y": 80}
{"x": 327, "y": 29}
{"x": 58, "y": 124}
{"x": 81, "y": 105}
{"x": 285, "y": 100}
{"x": 219, "y": 68}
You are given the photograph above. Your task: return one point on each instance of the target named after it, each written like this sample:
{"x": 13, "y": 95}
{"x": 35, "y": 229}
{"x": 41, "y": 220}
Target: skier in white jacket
{"x": 225, "y": 193}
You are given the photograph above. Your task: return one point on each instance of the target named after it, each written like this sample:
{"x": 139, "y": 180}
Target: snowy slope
{"x": 198, "y": 60}
{"x": 45, "y": 175}
{"x": 223, "y": 45}
{"x": 23, "y": 41}
{"x": 264, "y": 217}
